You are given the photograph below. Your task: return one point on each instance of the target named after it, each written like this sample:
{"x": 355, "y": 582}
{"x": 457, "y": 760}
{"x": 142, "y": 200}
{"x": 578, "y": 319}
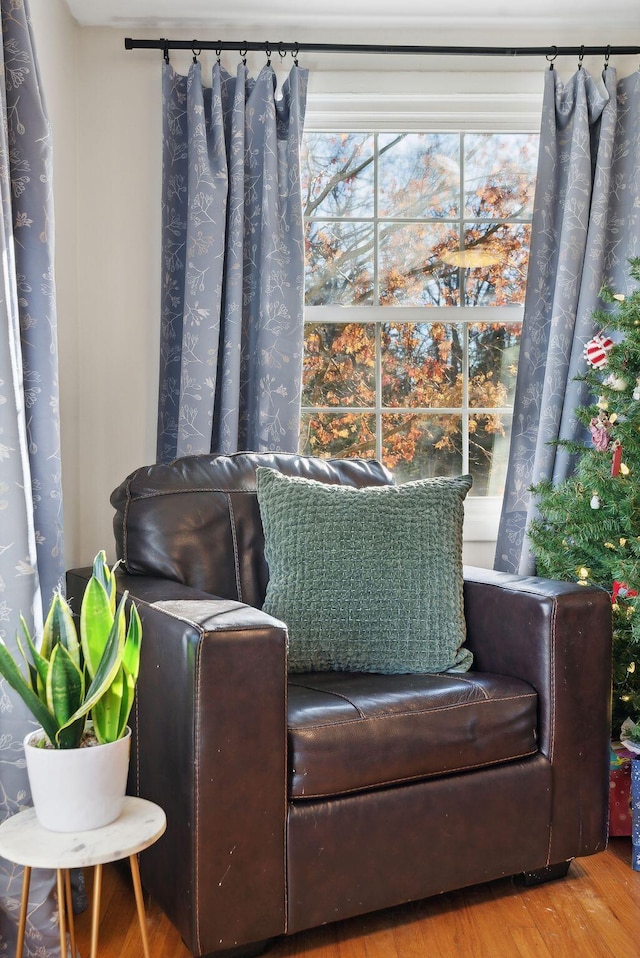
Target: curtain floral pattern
{"x": 31, "y": 559}
{"x": 586, "y": 225}
{"x": 232, "y": 263}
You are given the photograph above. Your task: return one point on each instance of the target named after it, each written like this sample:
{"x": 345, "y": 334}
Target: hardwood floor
{"x": 593, "y": 913}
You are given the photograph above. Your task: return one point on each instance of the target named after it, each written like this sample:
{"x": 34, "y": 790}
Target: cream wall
{"x": 104, "y": 104}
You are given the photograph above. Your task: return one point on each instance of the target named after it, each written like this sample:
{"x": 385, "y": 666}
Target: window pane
{"x": 412, "y": 272}
{"x": 422, "y": 445}
{"x": 337, "y": 174}
{"x": 502, "y": 253}
{"x": 493, "y": 363}
{"x": 343, "y": 435}
{"x": 339, "y": 263}
{"x": 488, "y": 453}
{"x": 499, "y": 174}
{"x": 339, "y": 364}
{"x": 419, "y": 174}
{"x": 421, "y": 364}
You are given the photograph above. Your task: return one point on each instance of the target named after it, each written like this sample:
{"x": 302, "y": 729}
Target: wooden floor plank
{"x": 593, "y": 913}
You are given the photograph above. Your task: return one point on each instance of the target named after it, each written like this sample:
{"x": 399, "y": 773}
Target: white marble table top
{"x": 24, "y": 841}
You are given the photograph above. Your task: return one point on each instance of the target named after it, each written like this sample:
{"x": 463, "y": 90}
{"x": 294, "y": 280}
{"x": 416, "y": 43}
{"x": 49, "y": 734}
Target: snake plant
{"x": 71, "y": 678}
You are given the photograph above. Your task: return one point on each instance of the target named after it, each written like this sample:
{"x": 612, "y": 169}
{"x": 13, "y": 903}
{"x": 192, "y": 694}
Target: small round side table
{"x": 24, "y": 841}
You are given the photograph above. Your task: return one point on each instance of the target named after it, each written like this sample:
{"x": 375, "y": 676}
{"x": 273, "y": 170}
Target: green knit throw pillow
{"x": 366, "y": 580}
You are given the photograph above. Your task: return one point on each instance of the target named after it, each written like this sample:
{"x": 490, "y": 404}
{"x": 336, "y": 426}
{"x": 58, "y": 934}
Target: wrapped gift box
{"x": 620, "y": 790}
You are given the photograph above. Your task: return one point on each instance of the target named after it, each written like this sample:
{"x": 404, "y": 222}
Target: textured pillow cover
{"x": 369, "y": 579}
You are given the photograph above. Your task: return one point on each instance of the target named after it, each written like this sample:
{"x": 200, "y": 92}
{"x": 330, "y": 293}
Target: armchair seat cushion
{"x": 353, "y": 731}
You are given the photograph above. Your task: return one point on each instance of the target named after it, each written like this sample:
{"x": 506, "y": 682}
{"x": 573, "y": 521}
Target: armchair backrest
{"x": 196, "y": 520}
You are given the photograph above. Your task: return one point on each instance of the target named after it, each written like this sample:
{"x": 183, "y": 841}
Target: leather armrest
{"x": 209, "y": 746}
{"x": 558, "y": 637}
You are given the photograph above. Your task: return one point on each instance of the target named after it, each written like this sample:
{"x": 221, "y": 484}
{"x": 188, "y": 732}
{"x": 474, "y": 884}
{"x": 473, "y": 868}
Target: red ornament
{"x": 596, "y": 351}
{"x": 622, "y": 590}
{"x": 617, "y": 458}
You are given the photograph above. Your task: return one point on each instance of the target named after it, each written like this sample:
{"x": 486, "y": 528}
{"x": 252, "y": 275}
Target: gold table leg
{"x": 95, "y": 917}
{"x": 61, "y": 911}
{"x": 26, "y": 881}
{"x": 70, "y": 921}
{"x": 137, "y": 887}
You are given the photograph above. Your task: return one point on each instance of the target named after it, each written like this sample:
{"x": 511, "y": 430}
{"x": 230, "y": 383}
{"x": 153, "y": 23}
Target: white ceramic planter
{"x": 76, "y": 789}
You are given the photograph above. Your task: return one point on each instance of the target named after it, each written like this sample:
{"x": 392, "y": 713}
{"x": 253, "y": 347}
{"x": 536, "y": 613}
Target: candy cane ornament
{"x": 597, "y": 350}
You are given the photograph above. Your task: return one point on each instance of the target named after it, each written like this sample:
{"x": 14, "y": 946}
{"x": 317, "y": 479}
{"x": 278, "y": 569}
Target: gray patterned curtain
{"x": 31, "y": 559}
{"x": 586, "y": 224}
{"x": 233, "y": 263}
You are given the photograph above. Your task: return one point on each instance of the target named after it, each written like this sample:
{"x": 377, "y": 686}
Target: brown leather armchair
{"x": 298, "y": 800}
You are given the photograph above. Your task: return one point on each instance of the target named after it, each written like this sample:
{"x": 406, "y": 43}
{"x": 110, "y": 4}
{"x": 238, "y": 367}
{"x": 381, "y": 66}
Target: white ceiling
{"x": 381, "y": 14}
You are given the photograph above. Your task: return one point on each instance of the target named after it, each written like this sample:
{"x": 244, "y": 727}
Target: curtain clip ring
{"x": 166, "y": 51}
{"x": 218, "y": 52}
{"x": 243, "y": 53}
{"x": 581, "y": 57}
{"x": 267, "y": 50}
{"x": 295, "y": 54}
{"x": 606, "y": 57}
{"x": 196, "y": 52}
{"x": 281, "y": 51}
{"x": 550, "y": 57}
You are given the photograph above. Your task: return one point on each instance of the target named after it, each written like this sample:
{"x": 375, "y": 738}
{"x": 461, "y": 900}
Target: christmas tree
{"x": 588, "y": 528}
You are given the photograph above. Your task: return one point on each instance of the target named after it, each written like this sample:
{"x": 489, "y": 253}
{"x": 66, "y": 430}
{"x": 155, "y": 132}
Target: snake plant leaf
{"x": 111, "y": 714}
{"x": 71, "y": 735}
{"x": 109, "y": 663}
{"x": 31, "y": 669}
{"x": 65, "y": 685}
{"x": 41, "y": 665}
{"x": 16, "y": 680}
{"x": 126, "y": 705}
{"x": 106, "y": 712}
{"x": 59, "y": 627}
{"x": 27, "y": 636}
{"x": 105, "y": 577}
{"x": 124, "y": 685}
{"x": 131, "y": 655}
{"x": 96, "y": 620}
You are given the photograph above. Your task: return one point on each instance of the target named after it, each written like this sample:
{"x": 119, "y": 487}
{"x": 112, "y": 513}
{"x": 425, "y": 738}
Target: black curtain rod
{"x": 243, "y": 46}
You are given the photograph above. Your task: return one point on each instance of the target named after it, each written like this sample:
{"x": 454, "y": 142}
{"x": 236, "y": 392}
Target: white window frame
{"x": 438, "y": 102}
